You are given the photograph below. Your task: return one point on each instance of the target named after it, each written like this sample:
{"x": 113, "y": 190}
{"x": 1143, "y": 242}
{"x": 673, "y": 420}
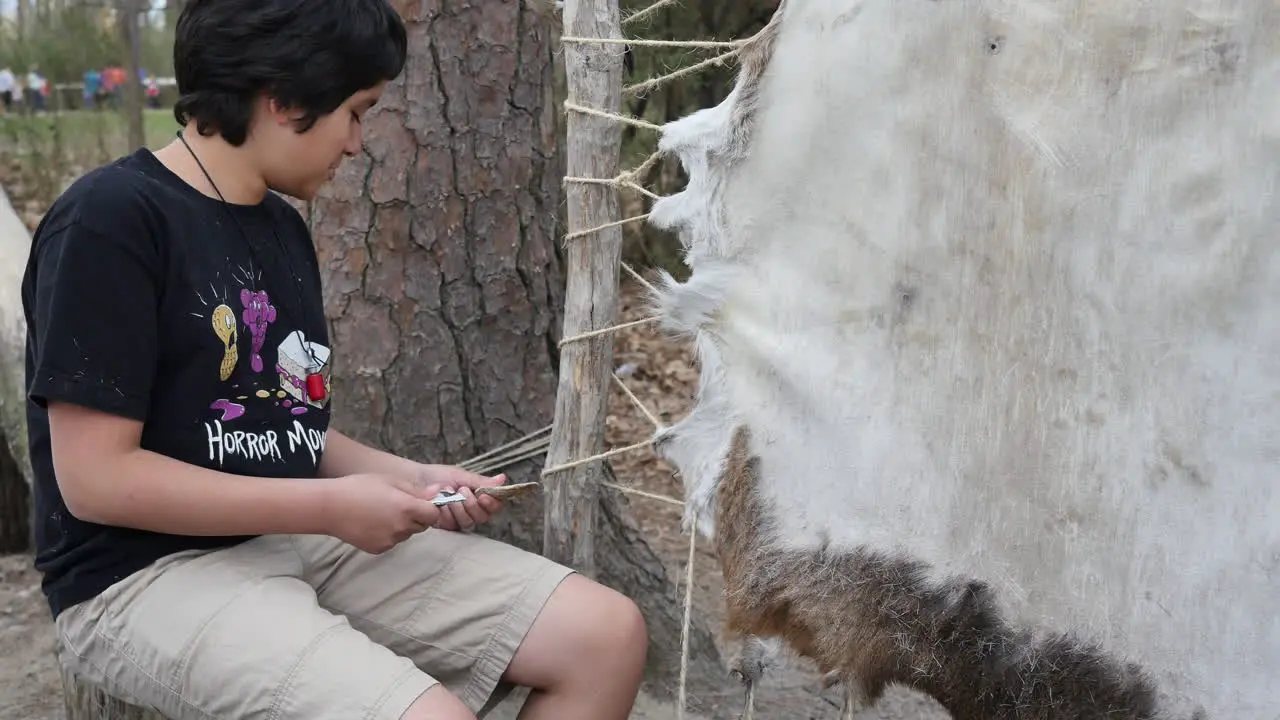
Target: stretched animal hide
{"x": 991, "y": 290}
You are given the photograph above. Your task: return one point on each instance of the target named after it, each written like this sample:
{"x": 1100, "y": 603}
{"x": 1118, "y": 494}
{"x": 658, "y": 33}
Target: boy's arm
{"x": 346, "y": 456}
{"x": 106, "y": 478}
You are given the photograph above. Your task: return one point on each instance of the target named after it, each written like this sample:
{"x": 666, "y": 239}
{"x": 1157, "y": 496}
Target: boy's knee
{"x": 634, "y": 631}
{"x": 613, "y": 628}
{"x": 438, "y": 703}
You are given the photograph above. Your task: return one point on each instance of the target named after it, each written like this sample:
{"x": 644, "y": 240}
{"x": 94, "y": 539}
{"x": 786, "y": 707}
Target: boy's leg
{"x": 585, "y": 655}
{"x": 236, "y": 634}
{"x": 473, "y": 612}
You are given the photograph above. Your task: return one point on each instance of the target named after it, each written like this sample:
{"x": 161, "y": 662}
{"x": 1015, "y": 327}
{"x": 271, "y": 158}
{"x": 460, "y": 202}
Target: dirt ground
{"x": 662, "y": 375}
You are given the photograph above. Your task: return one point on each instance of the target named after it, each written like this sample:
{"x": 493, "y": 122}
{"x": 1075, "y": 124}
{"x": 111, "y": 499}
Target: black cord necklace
{"x": 314, "y": 386}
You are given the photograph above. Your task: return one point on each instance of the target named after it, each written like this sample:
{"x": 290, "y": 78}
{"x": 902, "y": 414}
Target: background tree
{"x": 444, "y": 282}
{"x": 67, "y": 39}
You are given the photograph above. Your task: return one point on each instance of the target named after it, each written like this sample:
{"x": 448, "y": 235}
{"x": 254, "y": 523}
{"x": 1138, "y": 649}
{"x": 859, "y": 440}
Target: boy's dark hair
{"x": 309, "y": 55}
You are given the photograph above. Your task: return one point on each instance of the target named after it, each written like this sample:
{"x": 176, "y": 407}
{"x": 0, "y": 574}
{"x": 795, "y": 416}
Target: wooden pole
{"x": 593, "y": 75}
{"x": 131, "y": 28}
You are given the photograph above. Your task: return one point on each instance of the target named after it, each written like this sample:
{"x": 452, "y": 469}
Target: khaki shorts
{"x": 292, "y": 627}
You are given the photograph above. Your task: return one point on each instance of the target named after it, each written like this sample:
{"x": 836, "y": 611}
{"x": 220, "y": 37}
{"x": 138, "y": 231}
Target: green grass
{"x": 42, "y": 153}
{"x": 80, "y": 134}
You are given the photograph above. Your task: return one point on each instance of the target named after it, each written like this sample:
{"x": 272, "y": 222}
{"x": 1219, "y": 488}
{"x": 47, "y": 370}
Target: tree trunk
{"x": 444, "y": 285}
{"x": 130, "y": 16}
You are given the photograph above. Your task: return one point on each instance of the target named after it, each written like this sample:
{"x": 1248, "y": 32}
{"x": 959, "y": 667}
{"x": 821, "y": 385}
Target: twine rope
{"x": 657, "y": 424}
{"x": 537, "y": 442}
{"x": 645, "y": 12}
{"x": 606, "y": 226}
{"x": 596, "y": 458}
{"x": 640, "y": 278}
{"x": 647, "y": 85}
{"x": 644, "y": 167}
{"x": 624, "y": 119}
{"x": 607, "y": 330}
{"x": 620, "y": 182}
{"x": 630, "y": 180}
{"x": 639, "y": 42}
{"x": 684, "y": 629}
{"x": 732, "y": 47}
{"x": 644, "y": 494}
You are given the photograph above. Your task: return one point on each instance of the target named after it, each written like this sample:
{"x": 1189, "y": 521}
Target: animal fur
{"x": 993, "y": 283}
{"x": 873, "y": 619}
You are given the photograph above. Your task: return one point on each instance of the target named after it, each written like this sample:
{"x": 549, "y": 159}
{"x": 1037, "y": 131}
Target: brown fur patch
{"x": 753, "y": 60}
{"x": 874, "y": 619}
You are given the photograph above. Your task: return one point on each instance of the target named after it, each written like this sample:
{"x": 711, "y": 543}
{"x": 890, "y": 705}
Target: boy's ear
{"x": 281, "y": 114}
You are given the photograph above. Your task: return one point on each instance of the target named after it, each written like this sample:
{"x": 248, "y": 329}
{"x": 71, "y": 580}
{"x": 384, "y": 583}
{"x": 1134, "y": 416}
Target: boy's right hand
{"x": 377, "y": 512}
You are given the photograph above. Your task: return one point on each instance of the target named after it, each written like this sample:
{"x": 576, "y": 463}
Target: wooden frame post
{"x": 593, "y": 74}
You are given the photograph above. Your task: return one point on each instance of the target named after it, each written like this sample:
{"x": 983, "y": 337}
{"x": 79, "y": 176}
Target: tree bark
{"x": 129, "y": 18}
{"x": 443, "y": 284}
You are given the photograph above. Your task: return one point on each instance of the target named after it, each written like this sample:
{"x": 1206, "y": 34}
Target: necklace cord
{"x": 284, "y": 253}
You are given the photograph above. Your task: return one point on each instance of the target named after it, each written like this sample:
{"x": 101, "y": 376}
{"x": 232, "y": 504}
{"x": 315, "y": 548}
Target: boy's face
{"x": 299, "y": 164}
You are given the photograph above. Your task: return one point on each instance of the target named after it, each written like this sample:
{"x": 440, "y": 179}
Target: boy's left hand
{"x": 464, "y": 516}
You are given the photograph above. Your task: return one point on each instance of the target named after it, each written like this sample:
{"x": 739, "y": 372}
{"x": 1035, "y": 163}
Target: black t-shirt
{"x": 144, "y": 298}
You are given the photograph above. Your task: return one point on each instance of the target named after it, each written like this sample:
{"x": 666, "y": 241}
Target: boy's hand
{"x": 463, "y": 516}
{"x": 377, "y": 512}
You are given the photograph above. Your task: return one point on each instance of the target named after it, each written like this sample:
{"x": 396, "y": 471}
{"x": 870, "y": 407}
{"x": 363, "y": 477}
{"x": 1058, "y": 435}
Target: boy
{"x": 209, "y": 546}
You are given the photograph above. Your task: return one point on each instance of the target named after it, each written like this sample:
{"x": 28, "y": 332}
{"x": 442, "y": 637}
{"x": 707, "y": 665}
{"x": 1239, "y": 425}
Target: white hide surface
{"x": 15, "y": 247}
{"x": 996, "y": 283}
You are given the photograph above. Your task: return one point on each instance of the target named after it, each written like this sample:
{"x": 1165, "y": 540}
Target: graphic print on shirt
{"x": 224, "y": 326}
{"x": 303, "y": 370}
{"x": 265, "y": 394}
{"x": 258, "y": 314}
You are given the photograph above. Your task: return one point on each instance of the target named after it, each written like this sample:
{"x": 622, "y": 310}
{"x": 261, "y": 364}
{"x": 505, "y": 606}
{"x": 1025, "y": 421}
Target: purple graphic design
{"x": 230, "y": 410}
{"x": 258, "y": 314}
